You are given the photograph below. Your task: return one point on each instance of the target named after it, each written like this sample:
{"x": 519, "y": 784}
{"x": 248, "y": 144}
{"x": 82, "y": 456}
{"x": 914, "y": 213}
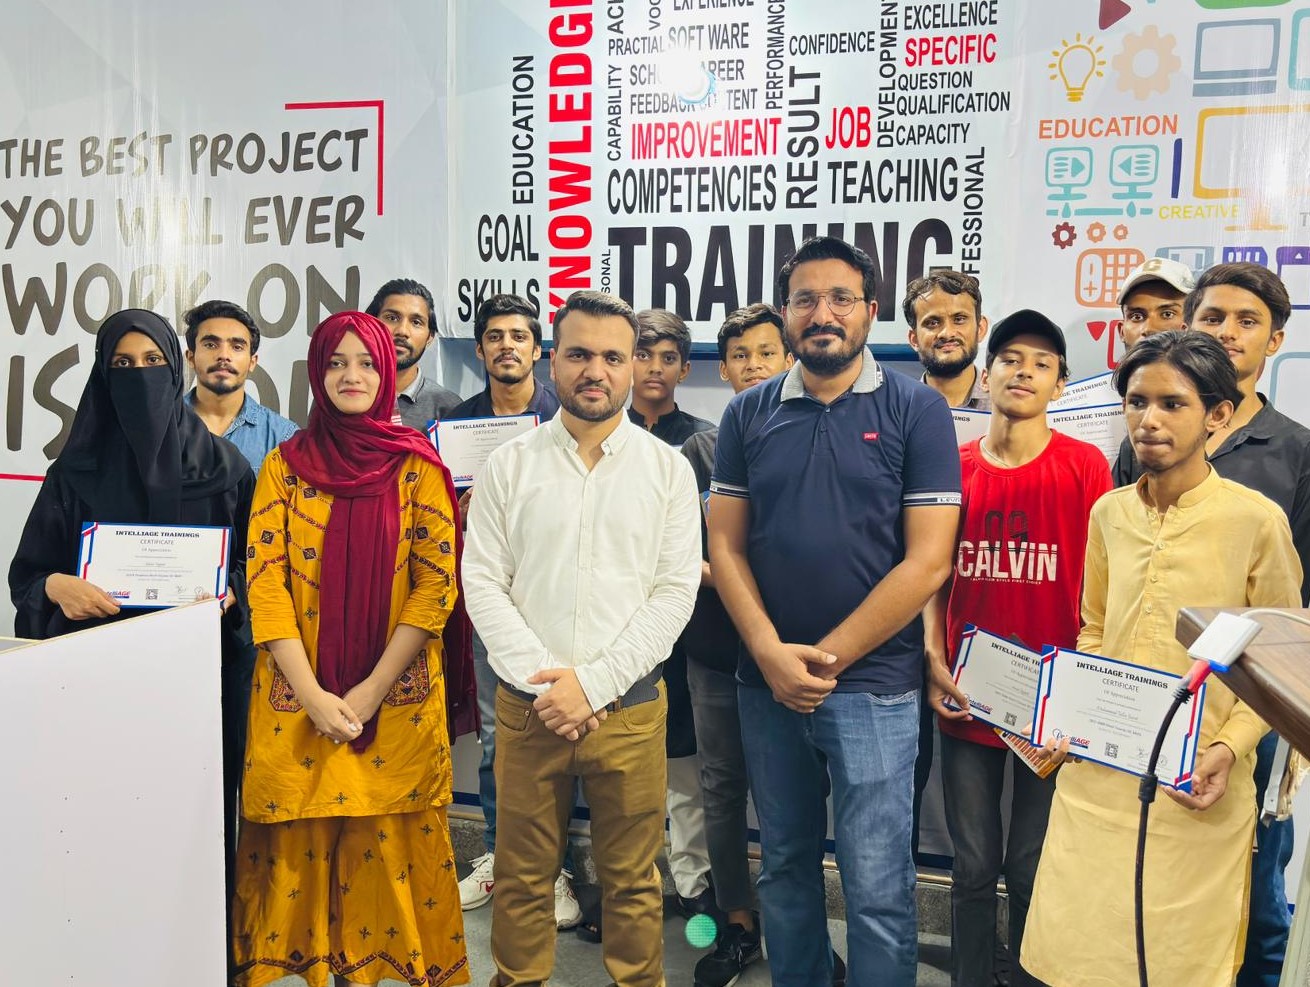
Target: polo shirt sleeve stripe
{"x": 730, "y": 477}
{"x": 944, "y": 498}
{"x": 743, "y": 493}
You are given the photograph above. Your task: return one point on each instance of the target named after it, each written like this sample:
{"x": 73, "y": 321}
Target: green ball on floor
{"x": 702, "y": 930}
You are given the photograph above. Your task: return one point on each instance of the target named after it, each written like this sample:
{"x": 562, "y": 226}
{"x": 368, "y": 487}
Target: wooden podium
{"x": 1273, "y": 678}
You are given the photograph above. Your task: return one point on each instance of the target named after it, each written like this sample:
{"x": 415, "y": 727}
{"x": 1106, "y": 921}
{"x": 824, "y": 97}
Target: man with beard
{"x": 944, "y": 312}
{"x": 508, "y": 338}
{"x": 222, "y": 348}
{"x": 832, "y": 520}
{"x": 405, "y": 307}
{"x": 578, "y": 606}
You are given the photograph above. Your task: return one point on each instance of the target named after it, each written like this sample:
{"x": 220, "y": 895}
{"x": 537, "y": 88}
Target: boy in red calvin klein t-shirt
{"x": 1027, "y": 494}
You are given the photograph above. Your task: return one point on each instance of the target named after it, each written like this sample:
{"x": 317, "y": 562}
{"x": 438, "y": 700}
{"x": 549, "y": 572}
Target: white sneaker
{"x": 475, "y": 890}
{"x": 568, "y": 912}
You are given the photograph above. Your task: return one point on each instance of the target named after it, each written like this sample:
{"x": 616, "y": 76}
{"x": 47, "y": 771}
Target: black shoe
{"x": 838, "y": 971}
{"x": 736, "y": 949}
{"x": 702, "y": 904}
{"x": 1001, "y": 966}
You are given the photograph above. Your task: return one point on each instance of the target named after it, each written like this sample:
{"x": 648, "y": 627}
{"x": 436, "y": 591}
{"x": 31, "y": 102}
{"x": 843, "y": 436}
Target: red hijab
{"x": 356, "y": 458}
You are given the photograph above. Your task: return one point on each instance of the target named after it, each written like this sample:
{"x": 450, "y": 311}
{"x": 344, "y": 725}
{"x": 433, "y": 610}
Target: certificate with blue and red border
{"x": 150, "y": 566}
{"x": 1111, "y": 710}
{"x": 465, "y": 444}
{"x": 998, "y": 676}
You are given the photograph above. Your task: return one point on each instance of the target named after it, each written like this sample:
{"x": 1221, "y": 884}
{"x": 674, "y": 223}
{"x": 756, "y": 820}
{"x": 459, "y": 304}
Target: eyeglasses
{"x": 840, "y": 301}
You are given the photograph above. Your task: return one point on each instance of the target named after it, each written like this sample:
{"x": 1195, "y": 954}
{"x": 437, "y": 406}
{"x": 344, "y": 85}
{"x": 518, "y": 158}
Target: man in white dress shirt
{"x": 580, "y": 571}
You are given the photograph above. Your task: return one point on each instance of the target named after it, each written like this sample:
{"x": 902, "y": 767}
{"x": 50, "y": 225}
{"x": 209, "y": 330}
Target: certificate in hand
{"x": 1111, "y": 711}
{"x": 999, "y": 677}
{"x": 154, "y": 566}
{"x": 465, "y": 443}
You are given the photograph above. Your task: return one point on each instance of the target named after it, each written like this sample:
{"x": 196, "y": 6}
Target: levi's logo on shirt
{"x": 870, "y": 436}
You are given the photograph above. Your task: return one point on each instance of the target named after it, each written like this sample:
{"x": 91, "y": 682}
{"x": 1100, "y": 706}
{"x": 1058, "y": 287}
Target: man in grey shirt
{"x": 944, "y": 313}
{"x": 405, "y": 308}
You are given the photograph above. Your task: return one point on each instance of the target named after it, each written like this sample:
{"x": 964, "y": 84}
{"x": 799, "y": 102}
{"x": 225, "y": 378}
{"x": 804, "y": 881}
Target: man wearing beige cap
{"x": 1151, "y": 300}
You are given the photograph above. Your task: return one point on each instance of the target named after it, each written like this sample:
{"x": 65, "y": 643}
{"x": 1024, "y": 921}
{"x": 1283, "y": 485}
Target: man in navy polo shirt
{"x": 832, "y": 517}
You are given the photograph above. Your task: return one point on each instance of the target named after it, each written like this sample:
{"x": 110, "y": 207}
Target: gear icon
{"x": 1139, "y": 51}
{"x": 1121, "y": 232}
{"x": 1064, "y": 235}
{"x": 1096, "y": 232}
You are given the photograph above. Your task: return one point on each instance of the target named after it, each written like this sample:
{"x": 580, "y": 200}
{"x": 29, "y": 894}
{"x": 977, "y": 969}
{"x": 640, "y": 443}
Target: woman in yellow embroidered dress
{"x": 345, "y": 863}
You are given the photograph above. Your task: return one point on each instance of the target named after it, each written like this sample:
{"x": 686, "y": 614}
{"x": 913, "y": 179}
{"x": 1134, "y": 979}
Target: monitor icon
{"x": 1298, "y": 66}
{"x": 1236, "y": 58}
{"x": 1294, "y": 269}
{"x": 1067, "y": 169}
{"x": 1246, "y": 255}
{"x": 1285, "y": 383}
{"x": 1198, "y": 258}
{"x": 1132, "y": 167}
{"x": 1256, "y": 154}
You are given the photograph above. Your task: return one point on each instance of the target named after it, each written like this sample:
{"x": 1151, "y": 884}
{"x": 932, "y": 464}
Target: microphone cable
{"x": 1146, "y": 795}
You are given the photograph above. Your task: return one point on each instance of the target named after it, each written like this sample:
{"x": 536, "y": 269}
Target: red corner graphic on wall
{"x": 1112, "y": 12}
{"x": 345, "y": 105}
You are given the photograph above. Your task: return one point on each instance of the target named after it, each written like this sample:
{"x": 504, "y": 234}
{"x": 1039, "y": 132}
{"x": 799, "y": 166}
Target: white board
{"x": 113, "y": 821}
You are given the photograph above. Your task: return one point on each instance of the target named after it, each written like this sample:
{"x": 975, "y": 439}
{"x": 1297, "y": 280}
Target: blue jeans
{"x": 1270, "y": 923}
{"x": 973, "y": 778}
{"x": 862, "y": 748}
{"x": 487, "y": 682}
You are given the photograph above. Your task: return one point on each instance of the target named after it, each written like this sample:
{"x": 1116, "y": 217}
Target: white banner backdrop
{"x": 674, "y": 151}
{"x": 293, "y": 156}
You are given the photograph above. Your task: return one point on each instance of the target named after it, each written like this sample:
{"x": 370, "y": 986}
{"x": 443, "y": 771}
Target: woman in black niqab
{"x": 136, "y": 453}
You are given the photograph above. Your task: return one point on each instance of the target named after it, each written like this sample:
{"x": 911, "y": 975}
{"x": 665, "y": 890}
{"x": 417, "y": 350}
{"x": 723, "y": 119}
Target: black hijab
{"x": 136, "y": 450}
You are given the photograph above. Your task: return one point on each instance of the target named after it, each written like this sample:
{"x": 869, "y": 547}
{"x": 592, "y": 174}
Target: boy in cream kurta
{"x": 1182, "y": 536}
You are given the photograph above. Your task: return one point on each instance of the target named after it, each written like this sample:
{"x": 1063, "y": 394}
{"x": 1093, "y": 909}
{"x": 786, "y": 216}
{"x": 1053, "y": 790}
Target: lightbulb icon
{"x": 1075, "y": 64}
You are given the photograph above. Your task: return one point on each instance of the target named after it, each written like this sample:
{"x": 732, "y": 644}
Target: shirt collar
{"x": 616, "y": 441}
{"x": 411, "y": 391}
{"x": 638, "y": 419}
{"x": 533, "y": 406}
{"x": 1187, "y": 499}
{"x": 869, "y": 379}
{"x": 1263, "y": 424}
{"x": 976, "y": 394}
{"x": 245, "y": 416}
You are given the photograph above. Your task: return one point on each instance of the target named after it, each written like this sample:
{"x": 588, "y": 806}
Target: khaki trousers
{"x": 621, "y": 766}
